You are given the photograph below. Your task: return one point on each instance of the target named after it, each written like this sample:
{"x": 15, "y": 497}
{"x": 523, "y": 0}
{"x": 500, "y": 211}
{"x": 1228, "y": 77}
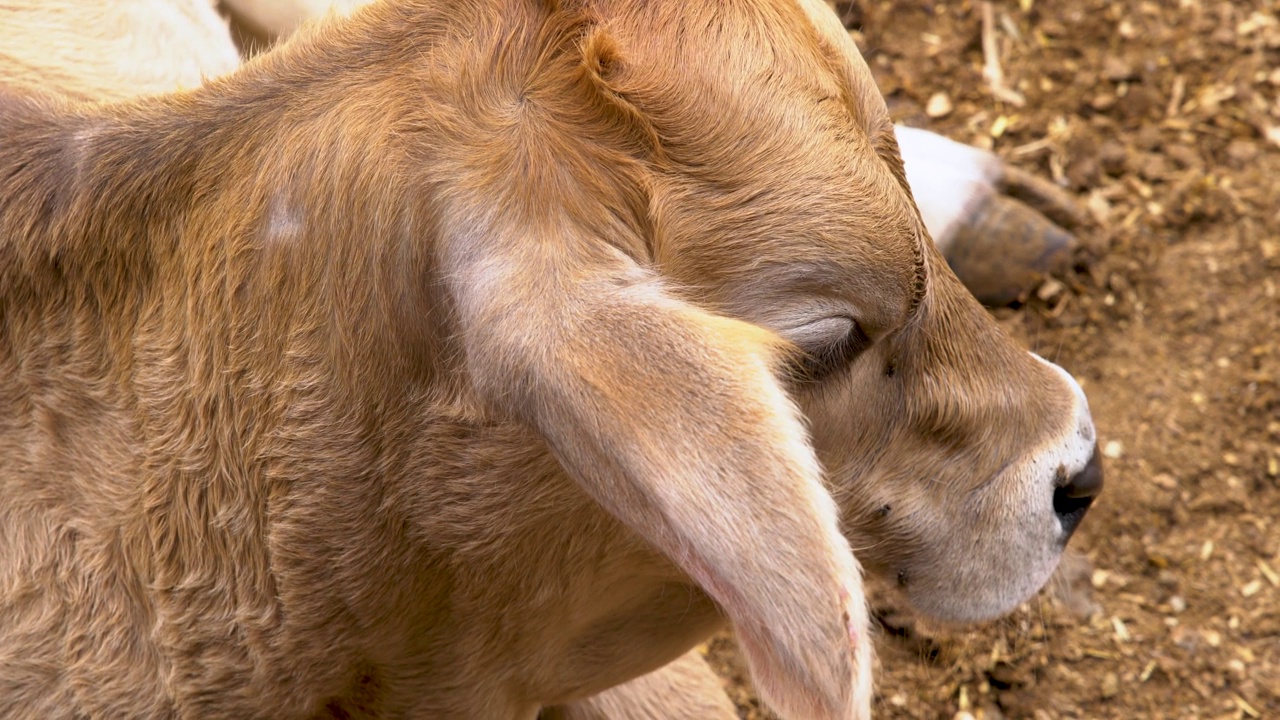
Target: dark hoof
{"x": 1006, "y": 249}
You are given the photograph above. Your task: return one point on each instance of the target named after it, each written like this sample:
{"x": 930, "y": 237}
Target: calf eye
{"x": 829, "y": 345}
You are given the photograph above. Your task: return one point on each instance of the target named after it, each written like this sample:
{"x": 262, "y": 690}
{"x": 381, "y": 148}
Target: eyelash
{"x": 817, "y": 366}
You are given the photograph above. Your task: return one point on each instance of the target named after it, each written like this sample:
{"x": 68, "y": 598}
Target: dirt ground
{"x": 1164, "y": 115}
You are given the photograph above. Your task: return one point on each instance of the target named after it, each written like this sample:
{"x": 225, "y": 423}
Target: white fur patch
{"x": 284, "y": 224}
{"x": 1073, "y": 450}
{"x": 948, "y": 179}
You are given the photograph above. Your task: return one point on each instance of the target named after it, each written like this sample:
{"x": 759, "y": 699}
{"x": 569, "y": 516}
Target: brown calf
{"x": 478, "y": 359}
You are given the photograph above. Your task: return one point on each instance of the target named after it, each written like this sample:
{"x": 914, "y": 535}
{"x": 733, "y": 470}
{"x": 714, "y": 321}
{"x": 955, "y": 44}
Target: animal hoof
{"x": 1006, "y": 248}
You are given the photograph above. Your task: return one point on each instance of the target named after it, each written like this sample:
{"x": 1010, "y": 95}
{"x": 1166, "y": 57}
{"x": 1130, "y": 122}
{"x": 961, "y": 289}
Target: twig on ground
{"x": 991, "y": 70}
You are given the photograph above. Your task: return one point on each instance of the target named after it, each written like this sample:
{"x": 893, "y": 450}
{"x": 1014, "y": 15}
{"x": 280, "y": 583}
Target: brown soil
{"x": 1164, "y": 115}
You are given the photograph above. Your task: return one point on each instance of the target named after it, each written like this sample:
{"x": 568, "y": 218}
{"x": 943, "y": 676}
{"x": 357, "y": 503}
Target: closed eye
{"x": 828, "y": 346}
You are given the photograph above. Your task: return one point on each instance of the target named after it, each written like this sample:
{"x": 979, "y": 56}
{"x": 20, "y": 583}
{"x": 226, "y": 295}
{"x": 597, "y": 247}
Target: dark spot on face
{"x": 1060, "y": 476}
{"x": 883, "y": 511}
{"x": 891, "y": 369}
{"x": 902, "y": 578}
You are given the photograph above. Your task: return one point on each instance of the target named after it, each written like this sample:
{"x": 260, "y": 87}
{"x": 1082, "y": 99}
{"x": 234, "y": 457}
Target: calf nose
{"x": 1074, "y": 495}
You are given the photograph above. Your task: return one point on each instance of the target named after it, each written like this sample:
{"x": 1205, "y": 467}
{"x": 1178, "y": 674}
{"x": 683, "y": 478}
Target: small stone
{"x": 1116, "y": 69}
{"x": 1149, "y": 138}
{"x": 1152, "y": 166}
{"x": 1050, "y": 289}
{"x": 1113, "y": 449}
{"x": 1111, "y": 156}
{"x": 1254, "y": 23}
{"x": 1099, "y": 208}
{"x": 1242, "y": 152}
{"x": 1184, "y": 156}
{"x": 1178, "y": 604}
{"x": 989, "y": 711}
{"x": 1110, "y": 686}
{"x": 1251, "y": 589}
{"x": 939, "y": 105}
{"x": 1185, "y": 638}
{"x": 1083, "y": 173}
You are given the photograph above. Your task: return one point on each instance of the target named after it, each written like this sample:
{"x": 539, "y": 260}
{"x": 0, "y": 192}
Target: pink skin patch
{"x": 845, "y": 597}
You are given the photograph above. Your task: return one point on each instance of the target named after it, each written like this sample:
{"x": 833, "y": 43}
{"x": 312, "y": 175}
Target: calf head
{"x": 718, "y": 247}
{"x": 961, "y": 462}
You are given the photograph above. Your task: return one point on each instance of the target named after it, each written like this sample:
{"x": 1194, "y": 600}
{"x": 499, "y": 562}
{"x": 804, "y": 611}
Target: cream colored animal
{"x": 478, "y": 359}
{"x": 279, "y": 18}
{"x": 112, "y": 49}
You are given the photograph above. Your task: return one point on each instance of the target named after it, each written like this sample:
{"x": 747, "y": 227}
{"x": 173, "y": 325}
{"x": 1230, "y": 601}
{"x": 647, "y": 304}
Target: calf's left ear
{"x": 673, "y": 419}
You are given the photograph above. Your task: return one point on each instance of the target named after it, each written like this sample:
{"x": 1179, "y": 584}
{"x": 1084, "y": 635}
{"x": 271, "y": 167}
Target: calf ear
{"x": 673, "y": 420}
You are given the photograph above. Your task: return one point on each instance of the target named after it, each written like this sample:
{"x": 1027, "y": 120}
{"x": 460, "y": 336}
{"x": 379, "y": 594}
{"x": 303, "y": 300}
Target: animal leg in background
{"x": 1001, "y": 229}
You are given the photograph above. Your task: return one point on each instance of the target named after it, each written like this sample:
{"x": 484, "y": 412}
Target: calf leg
{"x": 685, "y": 689}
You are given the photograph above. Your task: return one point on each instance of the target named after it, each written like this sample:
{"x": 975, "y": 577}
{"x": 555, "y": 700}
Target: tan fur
{"x": 684, "y": 689}
{"x": 467, "y": 360}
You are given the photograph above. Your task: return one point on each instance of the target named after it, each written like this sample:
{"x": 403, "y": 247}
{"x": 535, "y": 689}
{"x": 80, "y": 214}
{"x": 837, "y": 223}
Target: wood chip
{"x": 1246, "y": 708}
{"x": 1270, "y": 574}
{"x": 1176, "y": 95}
{"x": 1122, "y": 632}
{"x": 991, "y": 70}
{"x": 1206, "y": 550}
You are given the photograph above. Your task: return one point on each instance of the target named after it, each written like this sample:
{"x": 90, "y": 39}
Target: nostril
{"x": 1075, "y": 494}
{"x": 1088, "y": 482}
{"x": 1070, "y": 510}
